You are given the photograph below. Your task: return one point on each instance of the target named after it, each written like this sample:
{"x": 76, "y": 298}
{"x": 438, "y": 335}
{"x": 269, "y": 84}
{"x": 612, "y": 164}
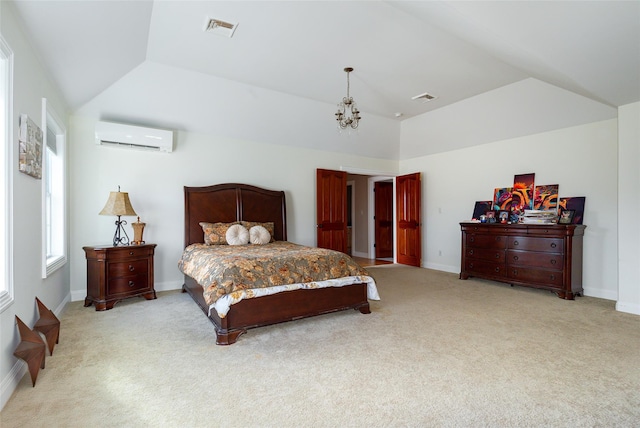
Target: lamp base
{"x": 118, "y": 239}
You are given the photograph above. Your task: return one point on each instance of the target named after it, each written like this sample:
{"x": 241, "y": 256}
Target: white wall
{"x": 581, "y": 159}
{"x": 155, "y": 183}
{"x": 31, "y": 84}
{"x": 628, "y": 208}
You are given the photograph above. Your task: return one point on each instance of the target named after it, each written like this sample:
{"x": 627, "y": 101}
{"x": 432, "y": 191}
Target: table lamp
{"x": 118, "y": 204}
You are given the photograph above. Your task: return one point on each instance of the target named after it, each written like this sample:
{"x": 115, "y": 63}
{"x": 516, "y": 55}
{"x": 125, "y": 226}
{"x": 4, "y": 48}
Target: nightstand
{"x": 116, "y": 273}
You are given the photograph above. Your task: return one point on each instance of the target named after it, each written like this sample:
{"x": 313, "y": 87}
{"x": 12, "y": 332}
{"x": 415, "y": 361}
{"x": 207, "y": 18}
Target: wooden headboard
{"x": 232, "y": 202}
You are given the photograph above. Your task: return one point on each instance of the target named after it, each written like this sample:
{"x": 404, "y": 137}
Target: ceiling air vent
{"x": 220, "y": 27}
{"x": 426, "y": 97}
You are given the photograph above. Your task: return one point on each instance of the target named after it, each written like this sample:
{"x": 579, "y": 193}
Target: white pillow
{"x": 237, "y": 235}
{"x": 259, "y": 235}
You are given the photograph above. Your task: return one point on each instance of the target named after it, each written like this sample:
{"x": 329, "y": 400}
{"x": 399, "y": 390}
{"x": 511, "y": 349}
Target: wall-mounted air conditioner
{"x": 133, "y": 137}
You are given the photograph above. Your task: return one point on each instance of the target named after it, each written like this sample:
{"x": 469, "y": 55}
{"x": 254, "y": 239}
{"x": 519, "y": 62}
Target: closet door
{"x": 331, "y": 203}
{"x": 408, "y": 227}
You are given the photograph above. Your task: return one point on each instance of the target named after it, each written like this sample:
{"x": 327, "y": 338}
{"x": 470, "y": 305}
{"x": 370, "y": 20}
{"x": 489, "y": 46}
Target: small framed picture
{"x": 503, "y": 216}
{"x": 566, "y": 217}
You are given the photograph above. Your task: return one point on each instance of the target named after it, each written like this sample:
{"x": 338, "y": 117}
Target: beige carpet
{"x": 435, "y": 351}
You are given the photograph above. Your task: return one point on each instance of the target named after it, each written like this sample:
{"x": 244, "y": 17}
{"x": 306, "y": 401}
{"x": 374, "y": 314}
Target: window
{"x": 54, "y": 245}
{"x": 6, "y": 119}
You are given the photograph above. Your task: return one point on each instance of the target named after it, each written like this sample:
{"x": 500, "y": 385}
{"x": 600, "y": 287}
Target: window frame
{"x": 6, "y": 180}
{"x": 51, "y": 263}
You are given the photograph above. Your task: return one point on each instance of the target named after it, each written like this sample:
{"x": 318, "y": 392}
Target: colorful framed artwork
{"x": 575, "y": 203}
{"x": 480, "y": 208}
{"x": 522, "y": 193}
{"x": 30, "y": 147}
{"x": 546, "y": 197}
{"x": 502, "y": 198}
{"x": 566, "y": 217}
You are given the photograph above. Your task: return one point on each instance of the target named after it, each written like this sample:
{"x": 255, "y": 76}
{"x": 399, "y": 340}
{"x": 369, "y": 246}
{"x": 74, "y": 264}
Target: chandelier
{"x": 348, "y": 114}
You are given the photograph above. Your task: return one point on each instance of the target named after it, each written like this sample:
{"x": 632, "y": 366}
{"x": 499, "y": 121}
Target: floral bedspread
{"x": 230, "y": 273}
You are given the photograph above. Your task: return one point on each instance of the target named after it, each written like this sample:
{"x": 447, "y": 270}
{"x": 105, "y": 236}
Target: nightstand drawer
{"x": 127, "y": 284}
{"x": 133, "y": 267}
{"x": 131, "y": 252}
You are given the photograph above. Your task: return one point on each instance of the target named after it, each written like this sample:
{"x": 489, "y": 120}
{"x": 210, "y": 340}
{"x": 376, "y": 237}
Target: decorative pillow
{"x": 215, "y": 233}
{"x": 259, "y": 235}
{"x": 269, "y": 225}
{"x": 237, "y": 235}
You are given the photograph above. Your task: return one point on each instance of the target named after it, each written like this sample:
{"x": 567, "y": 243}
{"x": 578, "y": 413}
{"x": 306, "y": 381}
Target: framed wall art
{"x": 30, "y": 147}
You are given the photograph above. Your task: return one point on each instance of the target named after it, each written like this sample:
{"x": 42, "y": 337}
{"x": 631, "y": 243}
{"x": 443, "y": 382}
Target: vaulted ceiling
{"x": 453, "y": 50}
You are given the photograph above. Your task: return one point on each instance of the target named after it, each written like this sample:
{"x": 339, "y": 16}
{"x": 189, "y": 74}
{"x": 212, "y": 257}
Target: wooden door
{"x": 383, "y": 217}
{"x": 331, "y": 203}
{"x": 408, "y": 248}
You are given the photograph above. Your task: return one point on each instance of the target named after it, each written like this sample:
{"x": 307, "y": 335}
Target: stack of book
{"x": 539, "y": 217}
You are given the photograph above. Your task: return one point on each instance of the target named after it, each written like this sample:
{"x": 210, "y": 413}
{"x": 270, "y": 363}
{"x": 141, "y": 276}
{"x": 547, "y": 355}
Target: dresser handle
{"x": 515, "y": 272}
{"x": 131, "y": 253}
{"x": 553, "y": 262}
{"x": 131, "y": 268}
{"x": 515, "y": 258}
{"x": 553, "y": 245}
{"x": 516, "y": 243}
{"x": 471, "y": 252}
{"x": 470, "y": 265}
{"x": 472, "y": 239}
{"x": 498, "y": 255}
{"x": 552, "y": 277}
{"x": 497, "y": 269}
{"x": 131, "y": 283}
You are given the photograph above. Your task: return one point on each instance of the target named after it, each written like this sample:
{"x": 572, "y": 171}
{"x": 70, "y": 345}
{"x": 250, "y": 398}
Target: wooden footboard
{"x": 277, "y": 308}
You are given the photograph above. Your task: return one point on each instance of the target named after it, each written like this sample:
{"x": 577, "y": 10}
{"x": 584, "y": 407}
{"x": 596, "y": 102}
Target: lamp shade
{"x": 118, "y": 204}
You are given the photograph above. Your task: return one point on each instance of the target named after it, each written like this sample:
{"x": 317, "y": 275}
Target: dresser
{"x": 540, "y": 256}
{"x": 116, "y": 273}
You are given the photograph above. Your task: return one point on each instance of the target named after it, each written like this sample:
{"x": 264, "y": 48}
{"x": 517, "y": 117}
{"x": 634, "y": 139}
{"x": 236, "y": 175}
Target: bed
{"x": 233, "y": 202}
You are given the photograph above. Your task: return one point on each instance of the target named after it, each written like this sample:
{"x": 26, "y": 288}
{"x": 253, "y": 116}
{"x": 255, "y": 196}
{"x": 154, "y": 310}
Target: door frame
{"x": 352, "y": 184}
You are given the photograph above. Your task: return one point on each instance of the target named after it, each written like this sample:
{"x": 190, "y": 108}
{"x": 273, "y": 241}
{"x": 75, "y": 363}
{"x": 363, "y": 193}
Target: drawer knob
{"x": 470, "y": 265}
{"x": 131, "y": 268}
{"x": 472, "y": 239}
{"x": 471, "y": 252}
{"x": 553, "y": 245}
{"x": 553, "y": 262}
{"x": 552, "y": 277}
{"x": 516, "y": 243}
{"x": 515, "y": 272}
{"x": 497, "y": 269}
{"x": 131, "y": 283}
{"x": 131, "y": 253}
{"x": 497, "y": 255}
{"x": 515, "y": 258}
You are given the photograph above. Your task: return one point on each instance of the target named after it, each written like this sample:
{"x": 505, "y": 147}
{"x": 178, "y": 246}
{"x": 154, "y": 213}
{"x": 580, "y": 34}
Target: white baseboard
{"x": 11, "y": 381}
{"x": 600, "y": 293}
{"x": 444, "y": 268}
{"x": 630, "y": 308}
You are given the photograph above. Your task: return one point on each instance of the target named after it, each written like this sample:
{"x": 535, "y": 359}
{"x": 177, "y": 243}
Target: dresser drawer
{"x": 535, "y": 276}
{"x": 486, "y": 254}
{"x": 128, "y": 284}
{"x": 486, "y": 241}
{"x": 132, "y": 267}
{"x": 550, "y": 245}
{"x": 529, "y": 258}
{"x": 485, "y": 268}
